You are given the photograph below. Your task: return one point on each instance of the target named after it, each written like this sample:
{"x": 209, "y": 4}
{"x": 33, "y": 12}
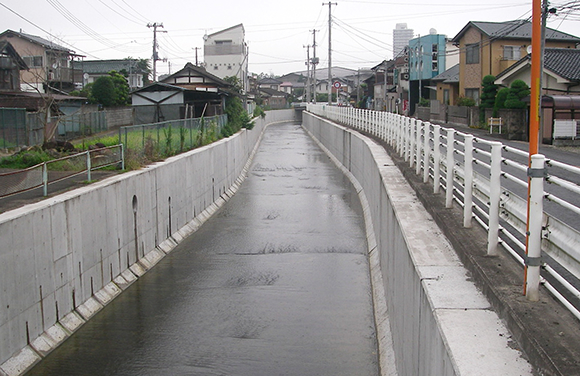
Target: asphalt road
{"x": 276, "y": 283}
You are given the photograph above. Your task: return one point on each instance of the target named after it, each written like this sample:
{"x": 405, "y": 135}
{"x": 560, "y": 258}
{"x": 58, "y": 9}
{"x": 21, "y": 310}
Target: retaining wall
{"x": 64, "y": 258}
{"x": 440, "y": 324}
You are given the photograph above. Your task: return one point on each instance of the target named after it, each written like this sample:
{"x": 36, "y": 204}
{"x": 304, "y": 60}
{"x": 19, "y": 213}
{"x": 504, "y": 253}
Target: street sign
{"x": 336, "y": 85}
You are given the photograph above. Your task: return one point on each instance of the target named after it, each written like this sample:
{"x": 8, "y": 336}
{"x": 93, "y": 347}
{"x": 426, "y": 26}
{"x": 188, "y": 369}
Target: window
{"x": 446, "y": 96}
{"x": 223, "y": 42}
{"x": 215, "y": 67}
{"x": 435, "y": 66}
{"x": 229, "y": 67}
{"x": 511, "y": 52}
{"x": 33, "y": 61}
{"x": 472, "y": 53}
{"x": 473, "y": 94}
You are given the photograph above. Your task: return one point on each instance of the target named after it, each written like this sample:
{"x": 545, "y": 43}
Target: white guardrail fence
{"x": 489, "y": 180}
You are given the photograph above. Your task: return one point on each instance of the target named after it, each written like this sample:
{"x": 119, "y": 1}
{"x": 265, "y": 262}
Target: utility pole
{"x": 307, "y": 73}
{"x": 357, "y": 88}
{"x": 196, "y": 63}
{"x": 330, "y": 52}
{"x": 314, "y": 63}
{"x": 155, "y": 58}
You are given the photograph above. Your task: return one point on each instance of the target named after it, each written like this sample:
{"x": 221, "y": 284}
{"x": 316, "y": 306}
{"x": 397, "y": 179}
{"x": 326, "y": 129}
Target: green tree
{"x": 111, "y": 90}
{"x": 500, "y": 100}
{"x": 235, "y": 82}
{"x": 121, "y": 89}
{"x": 518, "y": 90}
{"x": 488, "y": 92}
{"x": 103, "y": 91}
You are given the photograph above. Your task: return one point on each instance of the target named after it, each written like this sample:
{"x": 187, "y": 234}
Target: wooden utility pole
{"x": 330, "y": 4}
{"x": 155, "y": 56}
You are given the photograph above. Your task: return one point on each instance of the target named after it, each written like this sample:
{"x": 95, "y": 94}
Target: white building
{"x": 226, "y": 54}
{"x": 401, "y": 37}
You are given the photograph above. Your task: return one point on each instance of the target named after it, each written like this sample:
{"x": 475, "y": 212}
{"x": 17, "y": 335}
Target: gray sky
{"x": 276, "y": 31}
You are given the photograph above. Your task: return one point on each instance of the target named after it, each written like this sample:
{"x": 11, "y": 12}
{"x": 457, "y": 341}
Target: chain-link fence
{"x": 56, "y": 170}
{"x": 170, "y": 137}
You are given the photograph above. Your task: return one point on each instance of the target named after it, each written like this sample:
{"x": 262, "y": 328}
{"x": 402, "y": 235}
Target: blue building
{"x": 426, "y": 60}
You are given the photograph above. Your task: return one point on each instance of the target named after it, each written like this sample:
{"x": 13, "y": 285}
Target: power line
{"x": 48, "y": 33}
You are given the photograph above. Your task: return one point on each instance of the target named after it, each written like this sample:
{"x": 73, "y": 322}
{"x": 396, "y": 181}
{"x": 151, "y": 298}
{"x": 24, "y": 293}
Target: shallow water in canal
{"x": 275, "y": 283}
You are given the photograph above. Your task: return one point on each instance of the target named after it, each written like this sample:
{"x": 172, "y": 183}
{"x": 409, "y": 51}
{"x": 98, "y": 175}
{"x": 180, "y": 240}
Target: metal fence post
{"x": 88, "y": 165}
{"x": 535, "y": 212}
{"x": 44, "y": 179}
{"x": 122, "y": 157}
{"x": 436, "y": 158}
{"x": 468, "y": 181}
{"x": 450, "y": 168}
{"x": 494, "y": 197}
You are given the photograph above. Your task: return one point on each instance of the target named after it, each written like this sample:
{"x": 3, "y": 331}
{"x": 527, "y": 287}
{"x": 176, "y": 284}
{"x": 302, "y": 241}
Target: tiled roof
{"x": 517, "y": 29}
{"x": 449, "y": 76}
{"x": 38, "y": 40}
{"x": 564, "y": 62}
{"x": 105, "y": 66}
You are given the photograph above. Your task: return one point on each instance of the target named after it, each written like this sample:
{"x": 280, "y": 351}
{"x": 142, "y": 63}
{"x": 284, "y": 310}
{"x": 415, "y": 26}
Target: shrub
{"x": 518, "y": 90}
{"x": 465, "y": 101}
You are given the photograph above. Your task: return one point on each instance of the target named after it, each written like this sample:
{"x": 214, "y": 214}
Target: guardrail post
{"x": 44, "y": 179}
{"x": 494, "y": 197}
{"x": 450, "y": 168}
{"x": 468, "y": 181}
{"x": 412, "y": 128}
{"x": 426, "y": 151}
{"x": 436, "y": 158}
{"x": 418, "y": 130}
{"x": 88, "y": 165}
{"x": 535, "y": 213}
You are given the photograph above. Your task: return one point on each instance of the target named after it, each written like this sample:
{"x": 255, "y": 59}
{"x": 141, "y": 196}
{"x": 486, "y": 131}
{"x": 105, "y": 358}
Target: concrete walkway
{"x": 276, "y": 283}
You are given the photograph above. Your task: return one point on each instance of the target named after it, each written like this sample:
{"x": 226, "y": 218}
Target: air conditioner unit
{"x": 406, "y": 59}
{"x": 405, "y": 76}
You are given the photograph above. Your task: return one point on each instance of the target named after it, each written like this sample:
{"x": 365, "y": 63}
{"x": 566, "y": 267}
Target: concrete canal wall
{"x": 438, "y": 323}
{"x": 64, "y": 258}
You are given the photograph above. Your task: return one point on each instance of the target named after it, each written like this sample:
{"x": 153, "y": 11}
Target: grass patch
{"x": 25, "y": 159}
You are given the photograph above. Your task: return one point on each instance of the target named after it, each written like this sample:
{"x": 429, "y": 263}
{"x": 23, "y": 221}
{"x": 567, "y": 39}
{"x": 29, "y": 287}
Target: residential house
{"x": 51, "y": 66}
{"x": 269, "y": 83}
{"x": 560, "y": 90}
{"x": 298, "y": 82}
{"x": 382, "y": 83}
{"x": 93, "y": 69}
{"x": 447, "y": 85}
{"x": 489, "y": 48}
{"x": 398, "y": 96}
{"x": 10, "y": 66}
{"x": 188, "y": 93}
{"x": 272, "y": 98}
{"x": 427, "y": 59}
{"x": 226, "y": 54}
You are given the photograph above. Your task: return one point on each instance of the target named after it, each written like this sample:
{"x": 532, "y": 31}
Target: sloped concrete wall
{"x": 64, "y": 258}
{"x": 440, "y": 324}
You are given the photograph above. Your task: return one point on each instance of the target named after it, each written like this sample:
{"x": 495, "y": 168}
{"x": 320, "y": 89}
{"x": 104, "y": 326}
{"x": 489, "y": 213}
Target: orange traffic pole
{"x": 536, "y": 71}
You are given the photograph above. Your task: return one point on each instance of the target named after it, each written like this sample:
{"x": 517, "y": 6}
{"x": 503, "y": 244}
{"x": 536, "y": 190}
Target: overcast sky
{"x": 276, "y": 31}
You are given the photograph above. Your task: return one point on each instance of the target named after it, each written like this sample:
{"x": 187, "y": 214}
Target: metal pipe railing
{"x": 458, "y": 153}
